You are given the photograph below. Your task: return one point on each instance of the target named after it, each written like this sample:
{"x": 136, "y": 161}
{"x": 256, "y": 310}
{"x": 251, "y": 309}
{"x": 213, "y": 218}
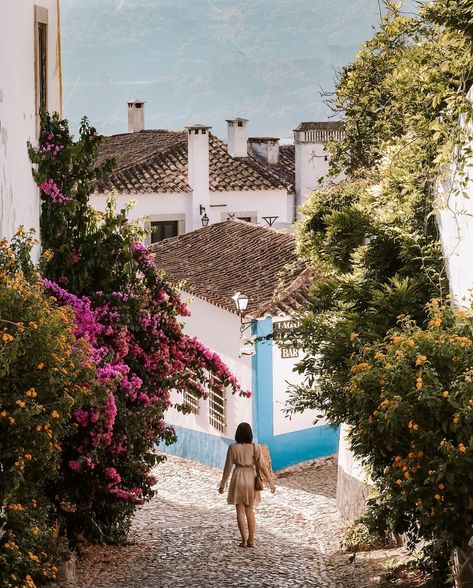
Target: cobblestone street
{"x": 187, "y": 537}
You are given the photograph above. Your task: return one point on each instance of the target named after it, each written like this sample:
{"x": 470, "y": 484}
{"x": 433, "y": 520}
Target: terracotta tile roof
{"x": 287, "y": 165}
{"x": 330, "y": 125}
{"x": 148, "y": 161}
{"x": 229, "y": 173}
{"x": 156, "y": 162}
{"x": 221, "y": 259}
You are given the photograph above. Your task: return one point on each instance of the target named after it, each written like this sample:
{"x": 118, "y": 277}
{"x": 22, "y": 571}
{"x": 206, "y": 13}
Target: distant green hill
{"x": 207, "y": 60}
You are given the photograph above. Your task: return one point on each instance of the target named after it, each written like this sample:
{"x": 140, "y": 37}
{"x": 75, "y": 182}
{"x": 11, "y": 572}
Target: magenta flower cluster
{"x": 51, "y": 189}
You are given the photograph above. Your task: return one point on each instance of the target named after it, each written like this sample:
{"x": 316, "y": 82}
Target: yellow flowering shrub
{"x": 43, "y": 368}
{"x": 413, "y": 403}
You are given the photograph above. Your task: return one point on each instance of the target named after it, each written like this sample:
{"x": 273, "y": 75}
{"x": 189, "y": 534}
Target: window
{"x": 191, "y": 400}
{"x": 163, "y": 230}
{"x": 41, "y": 58}
{"x": 217, "y": 410}
{"x": 42, "y": 66}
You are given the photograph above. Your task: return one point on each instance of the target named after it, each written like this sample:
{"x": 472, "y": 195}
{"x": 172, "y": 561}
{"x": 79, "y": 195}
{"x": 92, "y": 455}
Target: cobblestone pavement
{"x": 187, "y": 537}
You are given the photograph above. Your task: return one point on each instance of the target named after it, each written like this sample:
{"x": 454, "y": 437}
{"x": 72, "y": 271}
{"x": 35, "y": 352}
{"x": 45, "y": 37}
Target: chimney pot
{"x": 136, "y": 116}
{"x": 265, "y": 148}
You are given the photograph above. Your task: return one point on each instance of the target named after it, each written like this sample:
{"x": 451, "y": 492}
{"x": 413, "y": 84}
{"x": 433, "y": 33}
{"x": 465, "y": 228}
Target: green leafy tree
{"x": 375, "y": 241}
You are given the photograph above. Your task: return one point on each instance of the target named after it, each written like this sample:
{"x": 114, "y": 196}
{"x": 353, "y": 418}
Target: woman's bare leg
{"x": 241, "y": 520}
{"x": 250, "y": 517}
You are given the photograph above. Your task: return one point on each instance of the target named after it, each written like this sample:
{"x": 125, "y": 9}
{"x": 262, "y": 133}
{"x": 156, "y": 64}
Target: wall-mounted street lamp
{"x": 204, "y": 218}
{"x": 241, "y": 303}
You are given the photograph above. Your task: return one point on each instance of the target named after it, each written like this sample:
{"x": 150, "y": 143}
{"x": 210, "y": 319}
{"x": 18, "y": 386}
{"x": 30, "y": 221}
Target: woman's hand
{"x": 221, "y": 489}
{"x": 273, "y": 488}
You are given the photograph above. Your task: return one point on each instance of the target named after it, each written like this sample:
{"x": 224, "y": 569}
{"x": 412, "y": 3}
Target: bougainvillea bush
{"x": 47, "y": 372}
{"x": 99, "y": 267}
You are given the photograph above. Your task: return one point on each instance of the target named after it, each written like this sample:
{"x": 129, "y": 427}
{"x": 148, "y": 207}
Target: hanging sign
{"x": 287, "y": 352}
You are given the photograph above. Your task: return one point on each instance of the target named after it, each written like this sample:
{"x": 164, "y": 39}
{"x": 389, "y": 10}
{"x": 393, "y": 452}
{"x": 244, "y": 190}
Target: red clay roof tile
{"x": 223, "y": 258}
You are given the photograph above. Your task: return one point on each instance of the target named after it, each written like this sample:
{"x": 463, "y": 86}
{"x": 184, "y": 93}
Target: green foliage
{"x": 375, "y": 241}
{"x": 359, "y": 537}
{"x": 413, "y": 396}
{"x": 72, "y": 167}
{"x": 43, "y": 370}
{"x": 404, "y": 86}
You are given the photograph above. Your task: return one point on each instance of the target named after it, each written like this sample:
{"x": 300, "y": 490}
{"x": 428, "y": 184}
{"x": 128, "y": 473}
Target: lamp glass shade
{"x": 205, "y": 220}
{"x": 241, "y": 301}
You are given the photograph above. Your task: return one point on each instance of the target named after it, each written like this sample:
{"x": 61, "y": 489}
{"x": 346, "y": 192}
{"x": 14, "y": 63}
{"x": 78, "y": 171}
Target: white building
{"x": 30, "y": 80}
{"x": 216, "y": 262}
{"x": 182, "y": 179}
{"x": 312, "y": 158}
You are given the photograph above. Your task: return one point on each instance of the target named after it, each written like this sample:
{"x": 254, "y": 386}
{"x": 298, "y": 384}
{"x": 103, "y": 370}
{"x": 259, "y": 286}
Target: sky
{"x": 204, "y": 61}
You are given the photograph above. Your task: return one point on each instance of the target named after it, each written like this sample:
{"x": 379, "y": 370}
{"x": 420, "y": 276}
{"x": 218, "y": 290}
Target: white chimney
{"x": 198, "y": 171}
{"x": 311, "y": 156}
{"x": 136, "y": 116}
{"x": 237, "y": 137}
{"x": 265, "y": 148}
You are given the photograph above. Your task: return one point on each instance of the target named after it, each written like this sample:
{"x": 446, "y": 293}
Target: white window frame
{"x": 192, "y": 401}
{"x": 218, "y": 410}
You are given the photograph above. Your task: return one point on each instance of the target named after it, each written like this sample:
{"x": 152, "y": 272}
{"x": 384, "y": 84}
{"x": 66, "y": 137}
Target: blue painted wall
{"x": 203, "y": 447}
{"x": 289, "y": 448}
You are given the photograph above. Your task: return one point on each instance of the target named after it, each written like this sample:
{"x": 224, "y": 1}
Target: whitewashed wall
{"x": 219, "y": 330}
{"x": 158, "y": 207}
{"x": 283, "y": 375}
{"x": 312, "y": 164}
{"x": 258, "y": 203}
{"x": 255, "y": 204}
{"x": 19, "y": 197}
{"x": 455, "y": 220}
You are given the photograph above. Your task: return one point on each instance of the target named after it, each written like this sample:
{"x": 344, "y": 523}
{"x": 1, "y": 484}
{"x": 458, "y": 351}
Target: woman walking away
{"x": 246, "y": 457}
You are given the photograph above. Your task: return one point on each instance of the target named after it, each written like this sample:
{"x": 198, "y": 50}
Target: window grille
{"x": 191, "y": 400}
{"x": 217, "y": 410}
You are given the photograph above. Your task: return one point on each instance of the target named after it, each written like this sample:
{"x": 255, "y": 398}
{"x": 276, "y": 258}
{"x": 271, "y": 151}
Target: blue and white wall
{"x": 266, "y": 375}
{"x": 293, "y": 440}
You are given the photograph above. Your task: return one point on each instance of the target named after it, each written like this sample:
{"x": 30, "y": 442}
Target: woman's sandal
{"x": 250, "y": 544}
{"x": 242, "y": 544}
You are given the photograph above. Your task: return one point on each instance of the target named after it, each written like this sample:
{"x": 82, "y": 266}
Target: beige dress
{"x": 242, "y": 483}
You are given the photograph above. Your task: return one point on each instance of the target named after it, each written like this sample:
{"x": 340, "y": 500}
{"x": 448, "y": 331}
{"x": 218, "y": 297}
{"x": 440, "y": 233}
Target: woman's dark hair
{"x": 244, "y": 434}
